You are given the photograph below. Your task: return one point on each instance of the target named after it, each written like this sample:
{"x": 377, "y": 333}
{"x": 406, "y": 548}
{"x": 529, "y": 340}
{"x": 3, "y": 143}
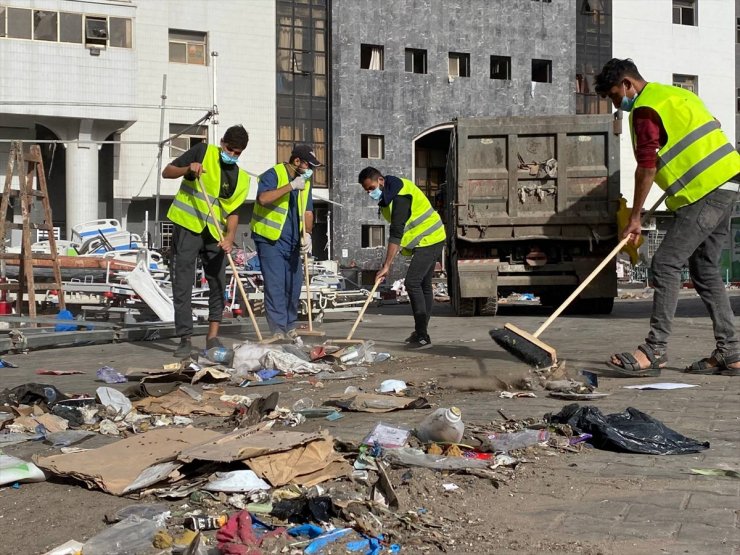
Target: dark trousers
{"x": 283, "y": 279}
{"x": 187, "y": 247}
{"x": 697, "y": 235}
{"x": 419, "y": 284}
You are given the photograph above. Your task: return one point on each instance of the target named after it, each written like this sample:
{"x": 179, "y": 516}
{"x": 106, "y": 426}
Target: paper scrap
{"x": 178, "y": 402}
{"x": 43, "y": 372}
{"x": 365, "y": 402}
{"x": 661, "y": 386}
{"x": 236, "y": 481}
{"x": 450, "y": 487}
{"x": 716, "y": 472}
{"x": 387, "y": 436}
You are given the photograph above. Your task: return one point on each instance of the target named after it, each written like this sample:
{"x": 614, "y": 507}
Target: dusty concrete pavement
{"x": 588, "y": 502}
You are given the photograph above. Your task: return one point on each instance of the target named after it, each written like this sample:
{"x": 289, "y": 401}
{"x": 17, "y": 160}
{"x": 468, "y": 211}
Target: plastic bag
{"x": 131, "y": 536}
{"x": 13, "y": 470}
{"x": 247, "y": 357}
{"x": 407, "y": 456}
{"x": 632, "y": 431}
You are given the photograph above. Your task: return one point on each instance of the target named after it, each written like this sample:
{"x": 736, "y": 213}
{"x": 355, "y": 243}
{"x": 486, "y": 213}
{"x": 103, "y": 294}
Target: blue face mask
{"x": 307, "y": 174}
{"x": 376, "y": 193}
{"x": 627, "y": 102}
{"x": 228, "y": 159}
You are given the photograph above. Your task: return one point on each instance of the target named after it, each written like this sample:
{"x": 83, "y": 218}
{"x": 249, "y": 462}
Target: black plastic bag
{"x": 631, "y": 431}
{"x": 32, "y": 394}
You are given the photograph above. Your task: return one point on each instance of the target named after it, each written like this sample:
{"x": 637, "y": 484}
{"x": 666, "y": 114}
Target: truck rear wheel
{"x": 487, "y": 306}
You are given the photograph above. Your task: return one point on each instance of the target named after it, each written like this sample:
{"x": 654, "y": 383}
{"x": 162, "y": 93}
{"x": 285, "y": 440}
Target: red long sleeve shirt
{"x": 650, "y": 136}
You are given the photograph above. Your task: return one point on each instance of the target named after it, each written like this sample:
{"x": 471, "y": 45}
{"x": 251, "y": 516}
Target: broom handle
{"x": 307, "y": 280}
{"x": 231, "y": 261}
{"x": 364, "y": 308}
{"x": 594, "y": 273}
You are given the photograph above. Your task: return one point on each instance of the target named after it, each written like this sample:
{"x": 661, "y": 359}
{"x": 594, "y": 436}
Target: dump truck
{"x": 531, "y": 208}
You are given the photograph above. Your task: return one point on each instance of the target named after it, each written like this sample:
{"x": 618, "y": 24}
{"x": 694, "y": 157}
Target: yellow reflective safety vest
{"x": 697, "y": 158}
{"x": 268, "y": 221}
{"x": 190, "y": 209}
{"x": 424, "y": 226}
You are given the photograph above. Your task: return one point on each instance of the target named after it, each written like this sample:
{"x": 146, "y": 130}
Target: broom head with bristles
{"x": 525, "y": 346}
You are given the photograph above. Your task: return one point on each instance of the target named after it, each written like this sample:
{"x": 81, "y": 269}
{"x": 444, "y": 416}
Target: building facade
{"x": 403, "y": 71}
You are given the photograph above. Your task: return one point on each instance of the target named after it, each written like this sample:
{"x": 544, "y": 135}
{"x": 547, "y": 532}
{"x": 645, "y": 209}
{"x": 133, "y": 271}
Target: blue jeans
{"x": 283, "y": 279}
{"x": 699, "y": 233}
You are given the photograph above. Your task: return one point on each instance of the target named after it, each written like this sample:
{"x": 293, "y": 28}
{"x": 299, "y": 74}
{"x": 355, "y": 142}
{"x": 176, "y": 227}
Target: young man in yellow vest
{"x": 417, "y": 231}
{"x": 196, "y": 234}
{"x": 679, "y": 145}
{"x": 284, "y": 204}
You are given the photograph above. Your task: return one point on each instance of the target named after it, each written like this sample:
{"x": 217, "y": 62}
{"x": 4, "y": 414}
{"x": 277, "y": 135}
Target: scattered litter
{"x": 392, "y": 386}
{"x": 14, "y": 470}
{"x": 267, "y": 374}
{"x": 317, "y": 412}
{"x": 131, "y": 535}
{"x": 236, "y": 481}
{"x": 6, "y": 364}
{"x": 516, "y": 394}
{"x": 577, "y": 396}
{"x": 387, "y": 436}
{"x": 71, "y": 547}
{"x": 335, "y": 415}
{"x": 632, "y": 431}
{"x": 67, "y": 438}
{"x": 110, "y": 375}
{"x": 210, "y": 375}
{"x": 442, "y": 425}
{"x": 290, "y": 364}
{"x": 450, "y": 487}
{"x": 661, "y": 386}
{"x": 716, "y": 472}
{"x": 43, "y": 372}
{"x": 505, "y": 442}
{"x": 408, "y": 456}
{"x": 115, "y": 400}
{"x": 32, "y": 394}
{"x": 364, "y": 402}
{"x": 180, "y": 403}
{"x": 150, "y": 511}
{"x": 238, "y": 536}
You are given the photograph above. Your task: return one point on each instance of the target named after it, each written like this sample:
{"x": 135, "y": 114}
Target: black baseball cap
{"x": 304, "y": 152}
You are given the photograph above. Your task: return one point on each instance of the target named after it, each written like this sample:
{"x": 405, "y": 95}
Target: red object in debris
{"x": 5, "y": 306}
{"x": 236, "y": 312}
{"x": 108, "y": 294}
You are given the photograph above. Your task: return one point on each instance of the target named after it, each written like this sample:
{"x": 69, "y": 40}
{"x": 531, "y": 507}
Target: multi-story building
{"x": 403, "y": 71}
{"x": 90, "y": 73}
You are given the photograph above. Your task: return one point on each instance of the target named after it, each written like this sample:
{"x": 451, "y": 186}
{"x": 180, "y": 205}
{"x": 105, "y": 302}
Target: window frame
{"x": 424, "y": 60}
{"x": 548, "y": 65}
{"x": 187, "y": 43}
{"x": 463, "y": 64}
{"x": 499, "y": 59}
{"x": 678, "y": 7}
{"x": 680, "y": 79}
{"x": 368, "y": 238}
{"x": 189, "y": 132}
{"x": 364, "y": 47}
{"x": 366, "y": 140}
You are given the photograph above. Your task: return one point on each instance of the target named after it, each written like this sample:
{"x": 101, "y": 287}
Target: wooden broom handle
{"x": 364, "y": 308}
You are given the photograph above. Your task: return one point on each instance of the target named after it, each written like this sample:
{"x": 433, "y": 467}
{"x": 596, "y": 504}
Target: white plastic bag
{"x": 247, "y": 357}
{"x": 14, "y": 470}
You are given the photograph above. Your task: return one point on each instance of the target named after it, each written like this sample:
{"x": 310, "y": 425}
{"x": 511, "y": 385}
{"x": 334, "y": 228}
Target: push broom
{"x": 528, "y": 347}
{"x": 307, "y": 278}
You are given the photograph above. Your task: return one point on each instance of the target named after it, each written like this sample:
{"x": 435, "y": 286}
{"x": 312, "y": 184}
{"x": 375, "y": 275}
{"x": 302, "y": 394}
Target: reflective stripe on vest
{"x": 697, "y": 158}
{"x": 268, "y": 221}
{"x": 190, "y": 207}
{"x": 424, "y": 226}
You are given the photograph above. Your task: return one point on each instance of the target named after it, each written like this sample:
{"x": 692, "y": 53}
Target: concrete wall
{"x": 660, "y": 49}
{"x": 402, "y": 105}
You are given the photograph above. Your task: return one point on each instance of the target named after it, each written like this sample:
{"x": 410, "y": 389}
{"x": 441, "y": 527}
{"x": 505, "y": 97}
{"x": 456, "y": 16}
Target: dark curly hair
{"x": 612, "y": 74}
{"x": 368, "y": 173}
{"x": 236, "y": 137}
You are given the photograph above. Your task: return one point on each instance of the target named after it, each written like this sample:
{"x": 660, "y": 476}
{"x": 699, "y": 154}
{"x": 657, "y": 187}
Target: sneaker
{"x": 184, "y": 348}
{"x": 420, "y": 344}
{"x": 277, "y": 337}
{"x": 411, "y": 338}
{"x": 213, "y": 342}
{"x": 292, "y": 334}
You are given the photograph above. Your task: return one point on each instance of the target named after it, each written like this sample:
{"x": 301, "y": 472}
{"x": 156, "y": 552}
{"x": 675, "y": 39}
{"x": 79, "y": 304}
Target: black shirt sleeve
{"x": 195, "y": 154}
{"x": 400, "y": 214}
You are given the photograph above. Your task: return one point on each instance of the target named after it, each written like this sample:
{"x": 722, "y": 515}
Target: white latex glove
{"x": 306, "y": 243}
{"x": 298, "y": 184}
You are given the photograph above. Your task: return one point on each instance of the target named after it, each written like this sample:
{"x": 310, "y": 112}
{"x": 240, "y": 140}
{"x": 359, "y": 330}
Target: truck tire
{"x": 466, "y": 307}
{"x": 488, "y": 306}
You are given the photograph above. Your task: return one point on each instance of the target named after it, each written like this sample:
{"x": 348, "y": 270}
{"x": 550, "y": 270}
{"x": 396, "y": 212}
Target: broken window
{"x": 459, "y": 64}
{"x": 371, "y": 57}
{"x": 372, "y": 147}
{"x": 187, "y": 47}
{"x": 684, "y": 12}
{"x": 45, "y": 25}
{"x": 416, "y": 60}
{"x": 501, "y": 67}
{"x": 373, "y": 236}
{"x": 19, "y": 23}
{"x": 688, "y": 82}
{"x": 542, "y": 71}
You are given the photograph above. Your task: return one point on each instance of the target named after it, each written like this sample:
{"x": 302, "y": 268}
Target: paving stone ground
{"x": 621, "y": 503}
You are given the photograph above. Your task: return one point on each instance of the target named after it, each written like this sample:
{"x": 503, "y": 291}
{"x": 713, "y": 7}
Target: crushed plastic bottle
{"x": 204, "y": 522}
{"x": 303, "y": 404}
{"x": 443, "y": 425}
{"x": 110, "y": 375}
{"x": 505, "y": 442}
{"x": 220, "y": 355}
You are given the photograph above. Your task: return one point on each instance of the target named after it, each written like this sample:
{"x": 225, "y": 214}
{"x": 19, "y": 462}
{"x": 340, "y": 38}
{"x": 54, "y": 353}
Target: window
{"x": 371, "y": 56}
{"x": 187, "y": 47}
{"x": 45, "y": 25}
{"x": 459, "y": 65}
{"x": 684, "y": 12}
{"x": 70, "y": 27}
{"x": 373, "y": 236}
{"x": 501, "y": 67}
{"x": 19, "y": 23}
{"x": 416, "y": 61}
{"x": 96, "y": 31}
{"x": 187, "y": 137}
{"x": 688, "y": 82}
{"x": 373, "y": 147}
{"x": 120, "y": 32}
{"x": 542, "y": 71}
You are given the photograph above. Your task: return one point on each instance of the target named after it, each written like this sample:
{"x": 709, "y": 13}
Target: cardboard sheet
{"x": 364, "y": 402}
{"x": 246, "y": 444}
{"x": 114, "y": 467}
{"x": 180, "y": 403}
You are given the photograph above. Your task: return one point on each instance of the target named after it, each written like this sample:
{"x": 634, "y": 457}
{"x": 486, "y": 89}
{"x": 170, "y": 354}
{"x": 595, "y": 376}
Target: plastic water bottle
{"x": 220, "y": 355}
{"x": 503, "y": 442}
{"x": 443, "y": 425}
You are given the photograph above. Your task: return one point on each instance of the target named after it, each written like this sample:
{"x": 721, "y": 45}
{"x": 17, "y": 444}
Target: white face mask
{"x": 376, "y": 193}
